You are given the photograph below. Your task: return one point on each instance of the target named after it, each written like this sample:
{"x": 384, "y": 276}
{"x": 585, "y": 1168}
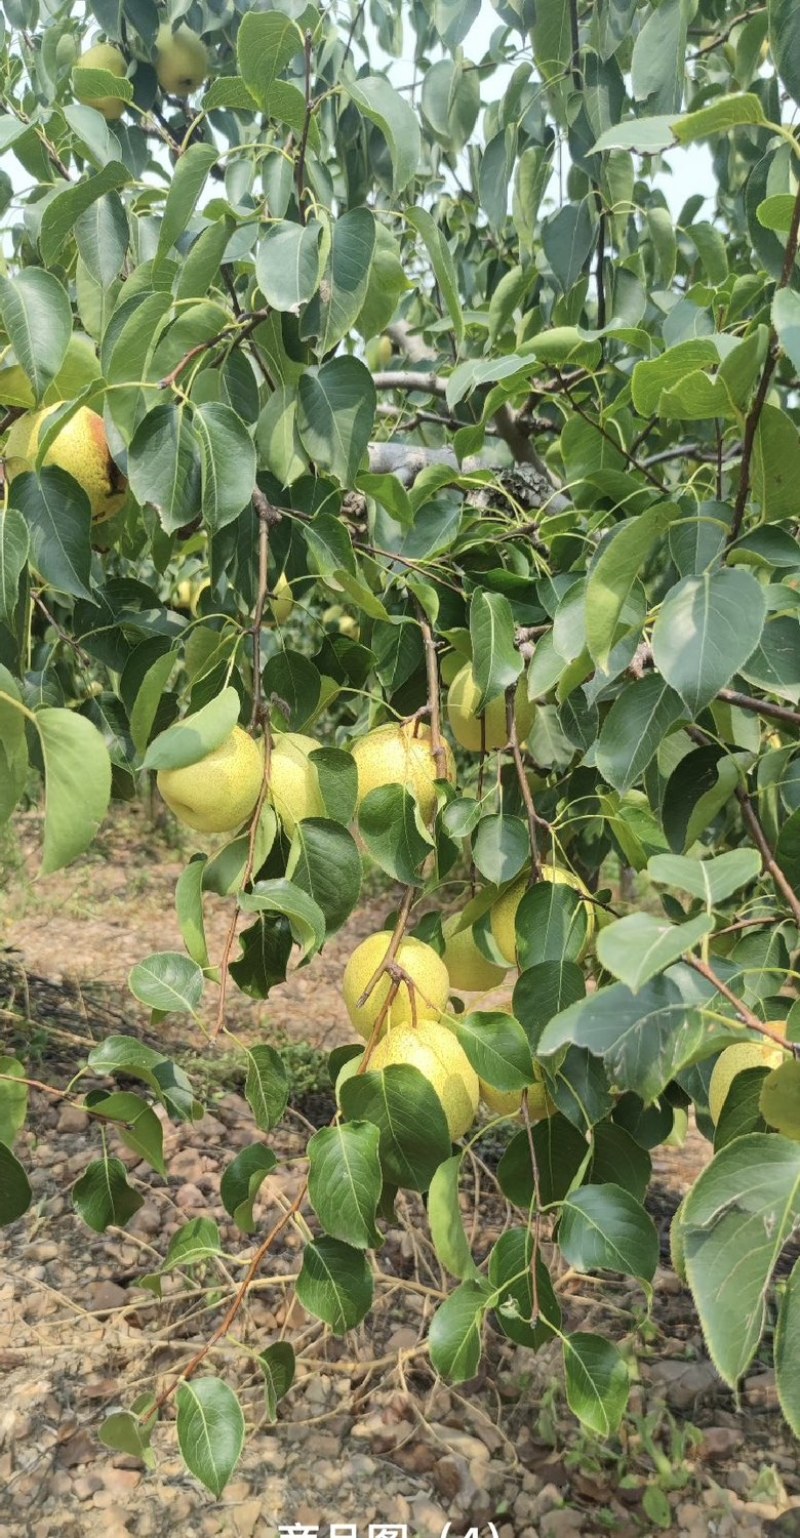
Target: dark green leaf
{"x": 102, "y": 1196}
{"x": 344, "y": 1181}
{"x": 335, "y": 1284}
{"x": 210, "y": 1427}
{"x": 241, "y": 1181}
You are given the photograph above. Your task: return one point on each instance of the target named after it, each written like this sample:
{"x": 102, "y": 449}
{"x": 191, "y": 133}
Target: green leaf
{"x": 102, "y": 236}
{"x": 550, "y": 924}
{"x": 187, "y": 182}
{"x": 13, "y": 1099}
{"x": 189, "y": 906}
{"x": 658, "y": 59}
{"x": 787, "y": 1351}
{"x": 598, "y": 1383}
{"x": 266, "y": 1086}
{"x": 277, "y": 1365}
{"x": 102, "y": 1196}
{"x": 613, "y": 573}
{"x": 523, "y": 1317}
{"x": 377, "y": 100}
{"x": 706, "y": 629}
{"x": 228, "y": 463}
{"x": 59, "y": 520}
{"x": 14, "y": 544}
{"x": 167, "y": 981}
{"x": 36, "y": 315}
{"x": 335, "y": 1284}
{"x": 497, "y": 1048}
{"x": 551, "y": 37}
{"x": 501, "y": 847}
{"x": 390, "y": 824}
{"x": 142, "y": 1131}
{"x": 560, "y": 1151}
{"x": 345, "y": 1181}
{"x": 776, "y": 464}
{"x": 210, "y": 1427}
{"x": 444, "y": 268}
{"x": 291, "y": 902}
{"x": 542, "y": 991}
{"x": 637, "y": 947}
{"x": 124, "y": 1432}
{"x": 786, "y": 320}
{"x": 711, "y": 880}
{"x": 224, "y": 872}
{"x": 604, "y": 1228}
{"x": 568, "y": 238}
{"x": 333, "y": 311}
{"x": 644, "y": 1038}
{"x": 192, "y": 1243}
{"x": 446, "y": 1222}
{"x": 15, "y": 1188}
{"x": 496, "y": 663}
{"x": 77, "y": 785}
{"x": 164, "y": 465}
{"x": 648, "y": 135}
{"x": 324, "y": 861}
{"x": 454, "y": 1338}
{"x": 338, "y": 781}
{"x": 195, "y": 736}
{"x": 784, "y": 39}
{"x": 92, "y": 84}
{"x": 408, "y": 1112}
{"x": 241, "y": 1182}
{"x": 63, "y": 212}
{"x": 723, "y": 113}
{"x": 737, "y": 1217}
{"x": 287, "y": 264}
{"x": 335, "y": 411}
{"x": 265, "y": 44}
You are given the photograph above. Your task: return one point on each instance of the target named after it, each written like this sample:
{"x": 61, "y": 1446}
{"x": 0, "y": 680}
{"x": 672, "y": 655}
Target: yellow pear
{"x": 181, "y": 60}
{"x": 428, "y": 973}
{"x": 469, "y": 970}
{"x": 81, "y": 448}
{"x": 293, "y": 785}
{"x": 398, "y": 754}
{"x": 282, "y": 603}
{"x": 216, "y": 794}
{"x": 465, "y": 723}
{"x": 435, "y": 1052}
{"x": 735, "y": 1059}
{"x": 509, "y": 1102}
{"x": 102, "y": 56}
{"x": 504, "y": 912}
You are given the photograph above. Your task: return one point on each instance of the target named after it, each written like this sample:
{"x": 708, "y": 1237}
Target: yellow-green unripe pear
{"x": 468, "y": 969}
{"x": 398, "y": 755}
{"x": 504, "y": 912}
{"x": 463, "y": 697}
{"x": 81, "y": 448}
{"x": 181, "y": 60}
{"x": 436, "y": 1053}
{"x": 102, "y": 56}
{"x": 293, "y": 787}
{"x": 509, "y": 1102}
{"x": 282, "y": 601}
{"x": 80, "y": 368}
{"x": 734, "y": 1060}
{"x": 429, "y": 981}
{"x": 216, "y": 794}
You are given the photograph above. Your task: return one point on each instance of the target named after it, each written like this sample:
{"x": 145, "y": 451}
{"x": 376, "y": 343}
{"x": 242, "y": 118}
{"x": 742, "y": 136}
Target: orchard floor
{"x": 367, "y": 1435}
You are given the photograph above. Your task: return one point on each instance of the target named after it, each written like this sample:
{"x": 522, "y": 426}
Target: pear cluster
{"x": 180, "y": 61}
{"x": 397, "y": 989}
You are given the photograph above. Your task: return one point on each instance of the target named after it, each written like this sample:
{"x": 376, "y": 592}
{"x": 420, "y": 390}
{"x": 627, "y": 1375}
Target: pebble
{"x": 104, "y": 1295}
{"x": 719, "y": 1442}
{"x": 562, "y": 1523}
{"x": 70, "y": 1119}
{"x": 681, "y": 1382}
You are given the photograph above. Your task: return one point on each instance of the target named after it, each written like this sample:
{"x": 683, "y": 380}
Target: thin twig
{"x": 525, "y": 789}
{"x": 770, "y": 364}
{"x": 438, "y": 748}
{"x": 745, "y": 1015}
{"x": 760, "y": 707}
{"x": 771, "y": 866}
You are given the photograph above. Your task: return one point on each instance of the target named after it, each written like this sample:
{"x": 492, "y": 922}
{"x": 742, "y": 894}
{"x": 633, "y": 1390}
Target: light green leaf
{"x": 36, "y": 314}
{"x": 446, "y": 1222}
{"x": 188, "y": 179}
{"x": 597, "y": 1382}
{"x": 14, "y": 545}
{"x": 266, "y": 1086}
{"x": 189, "y": 907}
{"x": 497, "y": 1048}
{"x": 287, "y": 264}
{"x": 444, "y": 268}
{"x": 706, "y": 629}
{"x": 391, "y": 826}
{"x": 61, "y": 215}
{"x": 784, "y": 38}
{"x": 335, "y": 412}
{"x": 787, "y": 1351}
{"x": 604, "y": 1228}
{"x": 228, "y": 463}
{"x": 396, "y": 119}
{"x": 454, "y": 1337}
{"x": 336, "y": 305}
{"x": 280, "y": 896}
{"x": 496, "y": 663}
{"x": 722, "y": 114}
{"x": 13, "y": 1099}
{"x": 210, "y": 1427}
{"x": 345, "y": 1181}
{"x": 77, "y": 785}
{"x": 711, "y": 880}
{"x": 167, "y": 981}
{"x": 637, "y": 947}
{"x": 736, "y": 1219}
{"x": 613, "y": 573}
{"x": 195, "y": 736}
{"x": 265, "y": 44}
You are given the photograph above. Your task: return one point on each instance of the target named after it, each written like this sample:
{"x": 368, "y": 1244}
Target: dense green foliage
{"x": 440, "y": 354}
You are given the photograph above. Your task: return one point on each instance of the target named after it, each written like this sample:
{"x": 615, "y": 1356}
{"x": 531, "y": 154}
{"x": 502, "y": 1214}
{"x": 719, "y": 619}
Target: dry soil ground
{"x": 367, "y": 1435}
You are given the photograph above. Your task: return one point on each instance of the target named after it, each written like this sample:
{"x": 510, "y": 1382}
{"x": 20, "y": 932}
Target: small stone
{"x": 466, "y": 1446}
{"x": 449, "y": 1476}
{"x": 761, "y": 1390}
{"x": 682, "y": 1383}
{"x": 403, "y": 1339}
{"x": 564, "y": 1522}
{"x": 70, "y": 1119}
{"x": 548, "y": 1498}
{"x": 190, "y": 1197}
{"x": 186, "y": 1165}
{"x": 245, "y": 1518}
{"x": 79, "y": 1448}
{"x": 719, "y": 1442}
{"x": 101, "y": 1296}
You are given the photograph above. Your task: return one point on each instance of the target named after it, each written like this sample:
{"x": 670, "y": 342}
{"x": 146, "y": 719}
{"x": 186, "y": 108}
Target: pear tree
{"x": 399, "y": 419}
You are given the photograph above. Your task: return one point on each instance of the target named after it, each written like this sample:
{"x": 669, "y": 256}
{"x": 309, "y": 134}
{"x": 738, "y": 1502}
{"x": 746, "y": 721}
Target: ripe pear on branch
{"x": 423, "y": 985}
{"x": 102, "y": 56}
{"x": 463, "y": 698}
{"x": 81, "y": 448}
{"x": 402, "y": 754}
{"x": 216, "y": 794}
{"x": 181, "y": 60}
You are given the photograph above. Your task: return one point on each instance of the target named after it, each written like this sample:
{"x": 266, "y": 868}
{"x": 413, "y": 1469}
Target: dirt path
{"x": 367, "y": 1435}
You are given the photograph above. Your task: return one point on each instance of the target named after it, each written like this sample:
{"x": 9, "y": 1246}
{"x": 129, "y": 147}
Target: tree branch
{"x": 759, "y": 837}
